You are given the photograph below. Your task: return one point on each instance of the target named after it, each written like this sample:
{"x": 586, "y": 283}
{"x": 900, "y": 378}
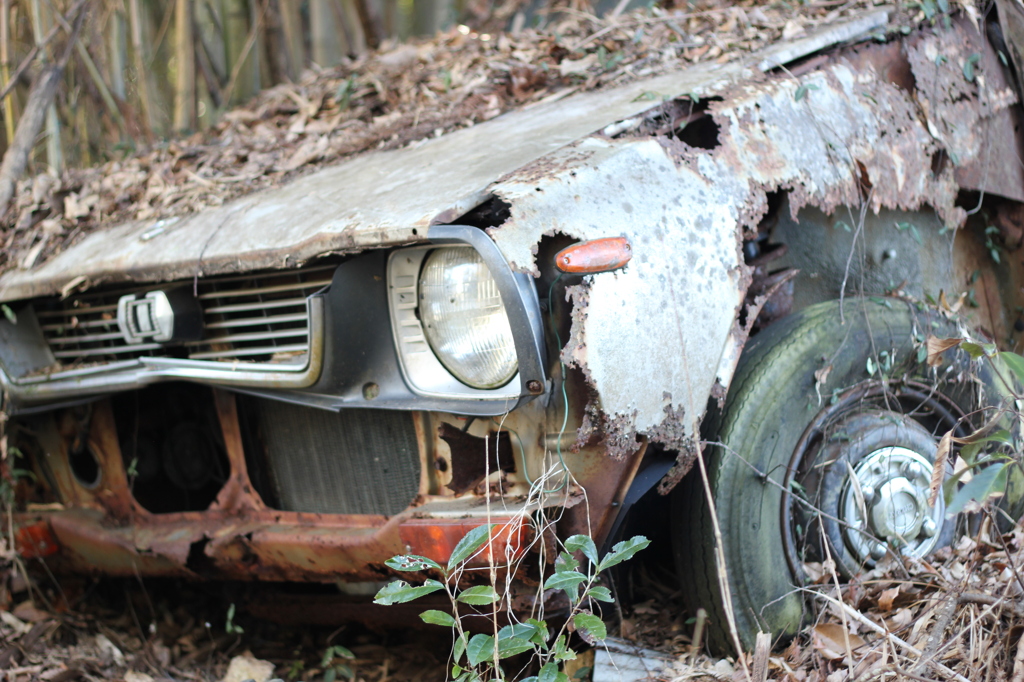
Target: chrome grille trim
{"x": 262, "y": 331}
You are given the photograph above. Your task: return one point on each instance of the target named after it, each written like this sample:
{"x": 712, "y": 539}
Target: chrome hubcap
{"x": 885, "y": 505}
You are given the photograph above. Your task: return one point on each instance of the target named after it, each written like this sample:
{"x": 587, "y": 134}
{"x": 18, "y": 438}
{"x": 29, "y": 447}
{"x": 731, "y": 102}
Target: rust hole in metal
{"x": 198, "y": 561}
{"x": 491, "y": 213}
{"x": 473, "y": 457}
{"x": 700, "y": 133}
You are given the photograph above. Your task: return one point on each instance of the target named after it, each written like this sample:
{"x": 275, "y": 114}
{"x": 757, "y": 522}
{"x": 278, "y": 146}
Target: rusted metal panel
{"x": 379, "y": 198}
{"x": 104, "y": 530}
{"x": 655, "y": 339}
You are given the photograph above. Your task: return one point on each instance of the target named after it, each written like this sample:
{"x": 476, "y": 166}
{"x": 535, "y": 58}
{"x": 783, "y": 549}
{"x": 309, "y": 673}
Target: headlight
{"x": 464, "y": 319}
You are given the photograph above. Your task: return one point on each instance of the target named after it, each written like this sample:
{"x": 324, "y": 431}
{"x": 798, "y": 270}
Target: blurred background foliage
{"x": 143, "y": 70}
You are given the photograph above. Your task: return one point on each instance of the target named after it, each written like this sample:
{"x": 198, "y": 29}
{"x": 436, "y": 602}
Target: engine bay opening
{"x": 172, "y": 446}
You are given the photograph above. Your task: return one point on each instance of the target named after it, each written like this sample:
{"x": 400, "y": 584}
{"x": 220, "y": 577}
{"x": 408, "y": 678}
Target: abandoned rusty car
{"x": 377, "y": 357}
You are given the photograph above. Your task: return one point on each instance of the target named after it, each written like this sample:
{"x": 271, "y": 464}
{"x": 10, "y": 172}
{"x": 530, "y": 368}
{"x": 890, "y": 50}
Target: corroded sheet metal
{"x": 379, "y": 198}
{"x": 654, "y": 338}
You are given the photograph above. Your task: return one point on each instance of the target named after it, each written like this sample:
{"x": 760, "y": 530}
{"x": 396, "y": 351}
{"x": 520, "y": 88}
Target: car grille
{"x": 251, "y": 318}
{"x": 354, "y": 461}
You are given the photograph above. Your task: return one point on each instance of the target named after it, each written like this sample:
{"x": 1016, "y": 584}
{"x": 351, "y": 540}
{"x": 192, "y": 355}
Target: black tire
{"x": 770, "y": 404}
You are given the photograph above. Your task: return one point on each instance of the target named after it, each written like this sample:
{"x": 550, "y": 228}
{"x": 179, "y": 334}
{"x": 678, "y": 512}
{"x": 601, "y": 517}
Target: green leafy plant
{"x": 985, "y": 458}
{"x": 230, "y": 627}
{"x": 478, "y": 657}
{"x": 333, "y": 663}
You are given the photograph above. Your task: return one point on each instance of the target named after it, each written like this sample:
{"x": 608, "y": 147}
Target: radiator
{"x": 349, "y": 462}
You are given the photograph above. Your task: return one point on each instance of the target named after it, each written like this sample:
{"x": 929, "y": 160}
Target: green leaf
{"x": 548, "y": 673}
{"x": 929, "y": 8}
{"x": 943, "y": 6}
{"x": 335, "y": 651}
{"x": 566, "y": 562}
{"x": 1015, "y": 363}
{"x": 400, "y": 592}
{"x": 411, "y": 562}
{"x": 969, "y": 66}
{"x": 435, "y": 617}
{"x": 8, "y": 313}
{"x": 540, "y": 635}
{"x": 802, "y": 91}
{"x": 459, "y": 648}
{"x": 990, "y": 481}
{"x": 470, "y": 543}
{"x": 512, "y": 646}
{"x": 623, "y": 551}
{"x": 582, "y": 673}
{"x": 585, "y": 544}
{"x": 976, "y": 350}
{"x": 480, "y": 649}
{"x": 562, "y": 652}
{"x": 590, "y": 627}
{"x": 478, "y": 596}
{"x": 600, "y": 593}
{"x": 330, "y": 674}
{"x": 519, "y": 630}
{"x": 564, "y": 580}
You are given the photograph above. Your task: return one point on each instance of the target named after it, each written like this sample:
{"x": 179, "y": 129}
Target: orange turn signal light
{"x": 598, "y": 255}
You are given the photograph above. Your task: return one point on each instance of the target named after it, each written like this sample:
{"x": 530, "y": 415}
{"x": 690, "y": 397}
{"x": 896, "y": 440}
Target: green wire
{"x": 565, "y": 403}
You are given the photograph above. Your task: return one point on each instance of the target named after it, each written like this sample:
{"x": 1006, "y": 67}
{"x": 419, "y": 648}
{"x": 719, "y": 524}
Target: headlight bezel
{"x": 422, "y": 370}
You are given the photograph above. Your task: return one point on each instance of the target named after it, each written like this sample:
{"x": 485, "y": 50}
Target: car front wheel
{"x": 824, "y": 449}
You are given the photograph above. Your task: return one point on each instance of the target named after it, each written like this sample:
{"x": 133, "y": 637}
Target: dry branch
{"x": 39, "y": 100}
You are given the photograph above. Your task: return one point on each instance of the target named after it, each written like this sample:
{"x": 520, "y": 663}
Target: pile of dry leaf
{"x": 957, "y": 616}
{"x": 388, "y": 99}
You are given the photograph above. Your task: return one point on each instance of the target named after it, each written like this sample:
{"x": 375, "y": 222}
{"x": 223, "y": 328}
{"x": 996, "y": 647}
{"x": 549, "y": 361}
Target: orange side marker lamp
{"x": 597, "y": 255}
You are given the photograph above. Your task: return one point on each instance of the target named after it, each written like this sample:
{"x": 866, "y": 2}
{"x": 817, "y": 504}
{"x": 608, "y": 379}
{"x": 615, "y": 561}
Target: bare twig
{"x": 723, "y": 574}
{"x": 935, "y": 638}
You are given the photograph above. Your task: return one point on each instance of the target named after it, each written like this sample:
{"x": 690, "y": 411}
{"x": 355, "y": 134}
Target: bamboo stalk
{"x": 54, "y": 153}
{"x": 291, "y": 26}
{"x": 275, "y": 43}
{"x": 117, "y": 50}
{"x": 240, "y": 61}
{"x": 5, "y": 67}
{"x": 237, "y": 29}
{"x": 40, "y": 99}
{"x": 141, "y": 72}
{"x": 30, "y": 57}
{"x": 324, "y": 38}
{"x": 94, "y": 73}
{"x": 368, "y": 21}
{"x": 342, "y": 26}
{"x": 185, "y": 80}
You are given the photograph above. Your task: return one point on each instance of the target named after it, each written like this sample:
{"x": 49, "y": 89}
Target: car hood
{"x": 382, "y": 198}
